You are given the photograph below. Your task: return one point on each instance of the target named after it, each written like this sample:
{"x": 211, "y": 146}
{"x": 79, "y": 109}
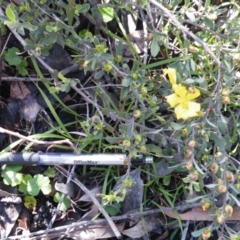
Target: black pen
{"x": 71, "y": 159}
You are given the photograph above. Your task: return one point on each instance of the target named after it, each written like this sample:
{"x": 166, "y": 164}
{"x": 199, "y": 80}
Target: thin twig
{"x": 224, "y": 36}
{"x": 145, "y": 48}
{"x": 185, "y": 231}
{"x": 31, "y": 139}
{"x": 24, "y": 79}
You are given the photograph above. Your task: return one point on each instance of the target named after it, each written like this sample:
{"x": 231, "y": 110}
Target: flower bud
{"x": 217, "y": 154}
{"x": 205, "y": 204}
{"x": 118, "y": 58}
{"x": 192, "y": 49}
{"x": 108, "y": 67}
{"x": 169, "y": 7}
{"x": 191, "y": 90}
{"x": 206, "y": 234}
{"x": 188, "y": 154}
{"x": 144, "y": 91}
{"x": 126, "y": 143}
{"x": 228, "y": 210}
{"x": 218, "y": 181}
{"x": 137, "y": 113}
{"x": 135, "y": 75}
{"x": 225, "y": 91}
{"x": 230, "y": 176}
{"x": 194, "y": 176}
{"x": 143, "y": 148}
{"x": 226, "y": 100}
{"x": 184, "y": 132}
{"x": 220, "y": 219}
{"x": 189, "y": 165}
{"x": 99, "y": 127}
{"x": 192, "y": 144}
{"x": 205, "y": 157}
{"x": 138, "y": 138}
{"x": 100, "y": 48}
{"x": 150, "y": 37}
{"x": 222, "y": 188}
{"x": 214, "y": 167}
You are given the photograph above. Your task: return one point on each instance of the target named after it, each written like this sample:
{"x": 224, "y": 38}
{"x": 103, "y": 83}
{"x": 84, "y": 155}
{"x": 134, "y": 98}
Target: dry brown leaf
{"x": 100, "y": 231}
{"x": 24, "y": 218}
{"x": 197, "y": 214}
{"x": 19, "y": 90}
{"x": 134, "y": 196}
{"x": 142, "y": 228}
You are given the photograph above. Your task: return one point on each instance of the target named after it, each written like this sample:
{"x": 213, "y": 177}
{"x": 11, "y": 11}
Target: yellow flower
{"x": 171, "y": 72}
{"x": 181, "y": 100}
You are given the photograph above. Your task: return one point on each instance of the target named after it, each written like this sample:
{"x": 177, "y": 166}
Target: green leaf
{"x": 66, "y": 201}
{"x": 155, "y": 48}
{"x": 124, "y": 92}
{"x": 21, "y": 68}
{"x": 220, "y": 142}
{"x": 197, "y": 233}
{"x": 85, "y": 8}
{"x": 30, "y": 202}
{"x": 49, "y": 28}
{"x": 12, "y": 58}
{"x": 99, "y": 74}
{"x": 147, "y": 184}
{"x": 29, "y": 45}
{"x": 196, "y": 186}
{"x": 12, "y": 178}
{"x": 50, "y": 172}
{"x": 235, "y": 199}
{"x": 46, "y": 189}
{"x": 127, "y": 81}
{"x": 70, "y": 12}
{"x": 113, "y": 140}
{"x": 29, "y": 26}
{"x": 177, "y": 126}
{"x": 37, "y": 183}
{"x": 14, "y": 168}
{"x": 195, "y": 199}
{"x": 32, "y": 187}
{"x": 167, "y": 180}
{"x": 23, "y": 185}
{"x": 10, "y": 13}
{"x": 153, "y": 148}
{"x": 107, "y": 14}
{"x": 65, "y": 87}
{"x": 112, "y": 209}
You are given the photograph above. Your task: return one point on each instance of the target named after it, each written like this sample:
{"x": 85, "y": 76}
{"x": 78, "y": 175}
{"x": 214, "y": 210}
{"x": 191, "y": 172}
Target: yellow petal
{"x": 189, "y": 112}
{"x": 180, "y": 90}
{"x": 171, "y": 74}
{"x": 173, "y": 100}
{"x": 195, "y": 94}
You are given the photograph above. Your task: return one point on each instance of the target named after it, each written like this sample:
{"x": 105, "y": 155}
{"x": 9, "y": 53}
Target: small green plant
{"x": 13, "y": 57}
{"x": 26, "y": 183}
{"x": 111, "y": 201}
{"x": 30, "y": 202}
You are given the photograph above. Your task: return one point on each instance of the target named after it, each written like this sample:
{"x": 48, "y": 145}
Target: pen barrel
{"x": 19, "y": 158}
{"x": 90, "y": 159}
